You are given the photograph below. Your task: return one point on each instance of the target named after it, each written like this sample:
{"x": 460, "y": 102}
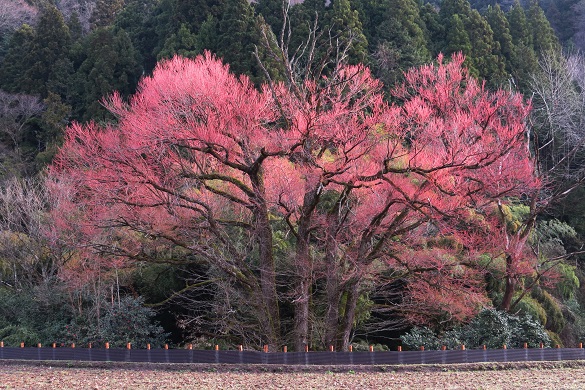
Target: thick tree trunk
{"x": 510, "y": 286}
{"x": 303, "y": 265}
{"x": 349, "y": 316}
{"x": 270, "y": 319}
{"x": 301, "y": 331}
{"x": 268, "y": 282}
{"x": 333, "y": 292}
{"x": 304, "y": 270}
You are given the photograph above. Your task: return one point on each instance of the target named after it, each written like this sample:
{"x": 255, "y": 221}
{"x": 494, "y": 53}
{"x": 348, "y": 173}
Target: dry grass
{"x": 75, "y": 375}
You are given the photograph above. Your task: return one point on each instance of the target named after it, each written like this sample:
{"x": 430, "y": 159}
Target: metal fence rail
{"x": 296, "y": 358}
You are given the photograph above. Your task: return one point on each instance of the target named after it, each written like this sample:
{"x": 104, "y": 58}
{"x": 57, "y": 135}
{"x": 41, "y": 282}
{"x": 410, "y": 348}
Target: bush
{"x": 128, "y": 321}
{"x": 418, "y": 337}
{"x": 555, "y": 319}
{"x": 490, "y": 327}
{"x": 31, "y": 316}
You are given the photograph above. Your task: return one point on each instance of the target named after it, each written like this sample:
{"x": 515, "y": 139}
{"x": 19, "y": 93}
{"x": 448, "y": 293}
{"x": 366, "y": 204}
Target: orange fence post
{"x": 148, "y": 346}
{"x": 1, "y": 344}
{"x": 89, "y": 345}
{"x": 265, "y": 348}
{"x": 241, "y": 348}
{"x": 54, "y": 345}
{"x": 399, "y": 348}
{"x": 216, "y": 347}
{"x": 541, "y": 344}
{"x": 351, "y": 348}
{"x": 306, "y": 348}
{"x": 331, "y": 349}
{"x": 39, "y": 345}
{"x": 72, "y": 345}
{"x": 580, "y": 345}
{"x": 21, "y": 345}
{"x": 422, "y": 347}
{"x": 371, "y": 348}
{"x": 129, "y": 346}
{"x": 558, "y": 345}
{"x": 525, "y": 345}
{"x": 484, "y": 347}
{"x": 463, "y": 347}
{"x": 166, "y": 346}
{"x": 107, "y": 345}
{"x": 190, "y": 346}
{"x": 504, "y": 346}
{"x": 284, "y": 349}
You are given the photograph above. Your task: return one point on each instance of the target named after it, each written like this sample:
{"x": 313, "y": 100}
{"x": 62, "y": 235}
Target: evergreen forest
{"x": 313, "y": 173}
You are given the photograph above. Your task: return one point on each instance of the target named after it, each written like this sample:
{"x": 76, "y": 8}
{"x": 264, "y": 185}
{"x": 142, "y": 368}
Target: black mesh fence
{"x": 297, "y": 358}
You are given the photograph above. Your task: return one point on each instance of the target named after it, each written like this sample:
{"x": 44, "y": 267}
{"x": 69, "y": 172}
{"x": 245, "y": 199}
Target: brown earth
{"x": 88, "y": 375}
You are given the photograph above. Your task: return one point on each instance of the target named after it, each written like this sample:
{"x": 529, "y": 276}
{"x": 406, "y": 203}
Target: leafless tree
{"x": 16, "y": 110}
{"x": 579, "y": 37}
{"x": 83, "y": 9}
{"x": 558, "y": 140}
{"x": 25, "y": 260}
{"x": 558, "y": 119}
{"x": 15, "y": 13}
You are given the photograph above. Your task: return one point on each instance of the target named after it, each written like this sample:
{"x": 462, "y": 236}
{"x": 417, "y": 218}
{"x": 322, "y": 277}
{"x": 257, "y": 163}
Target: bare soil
{"x": 89, "y": 375}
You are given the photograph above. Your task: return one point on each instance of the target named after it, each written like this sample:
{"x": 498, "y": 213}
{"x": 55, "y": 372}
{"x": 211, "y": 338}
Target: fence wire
{"x": 295, "y": 358}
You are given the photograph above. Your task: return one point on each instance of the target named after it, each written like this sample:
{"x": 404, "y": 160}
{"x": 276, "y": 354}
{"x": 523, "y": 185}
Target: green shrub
{"x": 555, "y": 319}
{"x": 418, "y": 337}
{"x": 128, "y": 321}
{"x": 490, "y": 327}
{"x": 531, "y": 307}
{"x": 31, "y": 316}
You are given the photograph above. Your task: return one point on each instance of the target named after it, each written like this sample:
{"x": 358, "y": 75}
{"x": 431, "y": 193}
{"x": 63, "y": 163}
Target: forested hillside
{"x": 314, "y": 173}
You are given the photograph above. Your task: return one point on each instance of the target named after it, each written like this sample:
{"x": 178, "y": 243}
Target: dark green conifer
{"x": 17, "y": 60}
{"x": 524, "y": 60}
{"x": 48, "y": 53}
{"x": 485, "y": 50}
{"x": 346, "y": 29}
{"x": 105, "y": 12}
{"x": 501, "y": 30}
{"x": 543, "y": 36}
{"x": 183, "y": 43}
{"x": 110, "y": 65}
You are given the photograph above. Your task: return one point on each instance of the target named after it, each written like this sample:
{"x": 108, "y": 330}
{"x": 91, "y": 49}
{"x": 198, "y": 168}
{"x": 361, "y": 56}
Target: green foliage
{"x": 398, "y": 39}
{"x": 490, "y": 327}
{"x": 44, "y": 315}
{"x": 109, "y": 64}
{"x": 524, "y": 60}
{"x": 578, "y": 322}
{"x": 128, "y": 321}
{"x": 555, "y": 320}
{"x": 105, "y": 12}
{"x": 543, "y": 36}
{"x": 457, "y": 37}
{"x": 183, "y": 43}
{"x": 32, "y": 317}
{"x": 569, "y": 283}
{"x": 47, "y": 59}
{"x": 501, "y": 29}
{"x": 347, "y": 27}
{"x": 529, "y": 306}
{"x": 418, "y": 337}
{"x": 15, "y": 62}
{"x": 364, "y": 346}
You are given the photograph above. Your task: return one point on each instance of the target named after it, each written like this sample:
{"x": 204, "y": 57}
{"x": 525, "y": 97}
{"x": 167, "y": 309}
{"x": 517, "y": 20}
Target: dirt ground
{"x": 80, "y": 375}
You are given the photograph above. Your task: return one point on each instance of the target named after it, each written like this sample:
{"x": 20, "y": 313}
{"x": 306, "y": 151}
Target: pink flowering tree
{"x": 299, "y": 197}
